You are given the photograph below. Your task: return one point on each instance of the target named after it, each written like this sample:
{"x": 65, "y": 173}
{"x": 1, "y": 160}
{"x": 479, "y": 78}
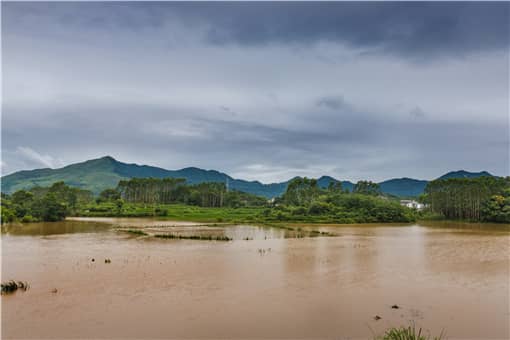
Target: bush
{"x": 28, "y": 219}
{"x": 299, "y": 211}
{"x": 319, "y": 208}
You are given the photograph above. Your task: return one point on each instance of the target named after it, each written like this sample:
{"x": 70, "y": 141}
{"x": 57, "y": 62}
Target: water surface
{"x": 451, "y": 277}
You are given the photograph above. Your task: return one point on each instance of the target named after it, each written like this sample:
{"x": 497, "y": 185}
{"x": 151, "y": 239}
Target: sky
{"x": 261, "y": 91}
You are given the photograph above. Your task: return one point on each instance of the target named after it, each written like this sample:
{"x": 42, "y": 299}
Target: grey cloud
{"x": 394, "y": 27}
{"x": 333, "y": 102}
{"x": 363, "y": 145}
{"x": 419, "y": 30}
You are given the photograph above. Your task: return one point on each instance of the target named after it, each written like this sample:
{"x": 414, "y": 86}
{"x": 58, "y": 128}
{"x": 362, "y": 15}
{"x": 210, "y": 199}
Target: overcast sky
{"x": 262, "y": 91}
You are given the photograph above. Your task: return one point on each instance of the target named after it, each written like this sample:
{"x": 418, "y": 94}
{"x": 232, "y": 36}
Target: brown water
{"x": 451, "y": 277}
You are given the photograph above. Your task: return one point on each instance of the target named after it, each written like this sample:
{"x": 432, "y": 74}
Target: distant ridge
{"x": 464, "y": 174}
{"x": 105, "y": 172}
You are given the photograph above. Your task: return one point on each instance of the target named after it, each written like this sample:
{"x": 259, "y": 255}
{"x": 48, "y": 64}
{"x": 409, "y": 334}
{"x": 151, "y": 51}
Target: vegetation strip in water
{"x": 134, "y": 231}
{"x": 194, "y": 237}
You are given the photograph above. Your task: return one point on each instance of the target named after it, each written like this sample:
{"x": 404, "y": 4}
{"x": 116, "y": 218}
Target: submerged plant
{"x": 12, "y": 286}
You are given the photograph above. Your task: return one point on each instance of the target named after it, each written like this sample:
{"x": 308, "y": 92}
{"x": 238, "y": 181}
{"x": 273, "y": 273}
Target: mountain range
{"x": 99, "y": 174}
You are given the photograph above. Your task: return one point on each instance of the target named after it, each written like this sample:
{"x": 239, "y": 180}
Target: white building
{"x": 412, "y": 204}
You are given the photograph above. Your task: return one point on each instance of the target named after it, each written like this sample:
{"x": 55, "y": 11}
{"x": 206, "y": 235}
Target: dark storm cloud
{"x": 412, "y": 29}
{"x": 399, "y": 28}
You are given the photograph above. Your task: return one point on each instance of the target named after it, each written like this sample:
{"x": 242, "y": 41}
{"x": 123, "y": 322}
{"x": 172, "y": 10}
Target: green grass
{"x": 178, "y": 212}
{"x": 406, "y": 333}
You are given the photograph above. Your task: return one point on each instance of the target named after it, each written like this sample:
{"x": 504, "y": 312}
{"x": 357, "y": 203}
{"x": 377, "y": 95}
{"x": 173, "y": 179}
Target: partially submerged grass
{"x": 12, "y": 286}
{"x": 135, "y": 232}
{"x": 406, "y": 333}
{"x": 299, "y": 231}
{"x": 315, "y": 233}
{"x": 194, "y": 237}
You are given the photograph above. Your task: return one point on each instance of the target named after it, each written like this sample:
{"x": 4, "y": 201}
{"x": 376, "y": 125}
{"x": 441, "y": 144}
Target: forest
{"x": 484, "y": 199}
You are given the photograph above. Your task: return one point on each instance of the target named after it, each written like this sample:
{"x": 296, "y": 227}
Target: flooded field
{"x": 294, "y": 281}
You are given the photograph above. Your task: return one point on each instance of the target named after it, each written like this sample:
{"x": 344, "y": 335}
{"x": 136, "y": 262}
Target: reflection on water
{"x": 53, "y": 228}
{"x": 154, "y": 227}
{"x": 471, "y": 227}
{"x": 444, "y": 276}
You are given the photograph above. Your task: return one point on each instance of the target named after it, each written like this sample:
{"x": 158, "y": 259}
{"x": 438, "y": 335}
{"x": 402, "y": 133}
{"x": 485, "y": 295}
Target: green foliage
{"x": 320, "y": 208}
{"x": 43, "y": 204}
{"x": 173, "y": 211}
{"x": 8, "y": 214}
{"x": 475, "y": 199}
{"x": 301, "y": 191}
{"x": 497, "y": 208}
{"x": 108, "y": 195}
{"x": 49, "y": 208}
{"x": 336, "y": 187}
{"x": 238, "y": 199}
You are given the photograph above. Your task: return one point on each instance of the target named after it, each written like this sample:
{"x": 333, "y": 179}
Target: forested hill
{"x": 99, "y": 174}
{"x": 106, "y": 172}
{"x": 465, "y": 174}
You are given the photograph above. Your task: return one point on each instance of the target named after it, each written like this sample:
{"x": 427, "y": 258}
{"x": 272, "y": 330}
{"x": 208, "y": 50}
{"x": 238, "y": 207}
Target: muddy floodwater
{"x": 266, "y": 282}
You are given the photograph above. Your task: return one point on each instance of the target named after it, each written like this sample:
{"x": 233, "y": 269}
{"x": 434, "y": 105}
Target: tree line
{"x": 175, "y": 190}
{"x": 476, "y": 199}
{"x": 484, "y": 198}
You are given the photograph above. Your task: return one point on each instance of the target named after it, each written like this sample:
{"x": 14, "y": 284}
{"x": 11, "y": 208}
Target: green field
{"x": 173, "y": 212}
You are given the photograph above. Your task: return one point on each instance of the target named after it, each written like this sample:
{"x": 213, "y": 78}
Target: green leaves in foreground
{"x": 406, "y": 333}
